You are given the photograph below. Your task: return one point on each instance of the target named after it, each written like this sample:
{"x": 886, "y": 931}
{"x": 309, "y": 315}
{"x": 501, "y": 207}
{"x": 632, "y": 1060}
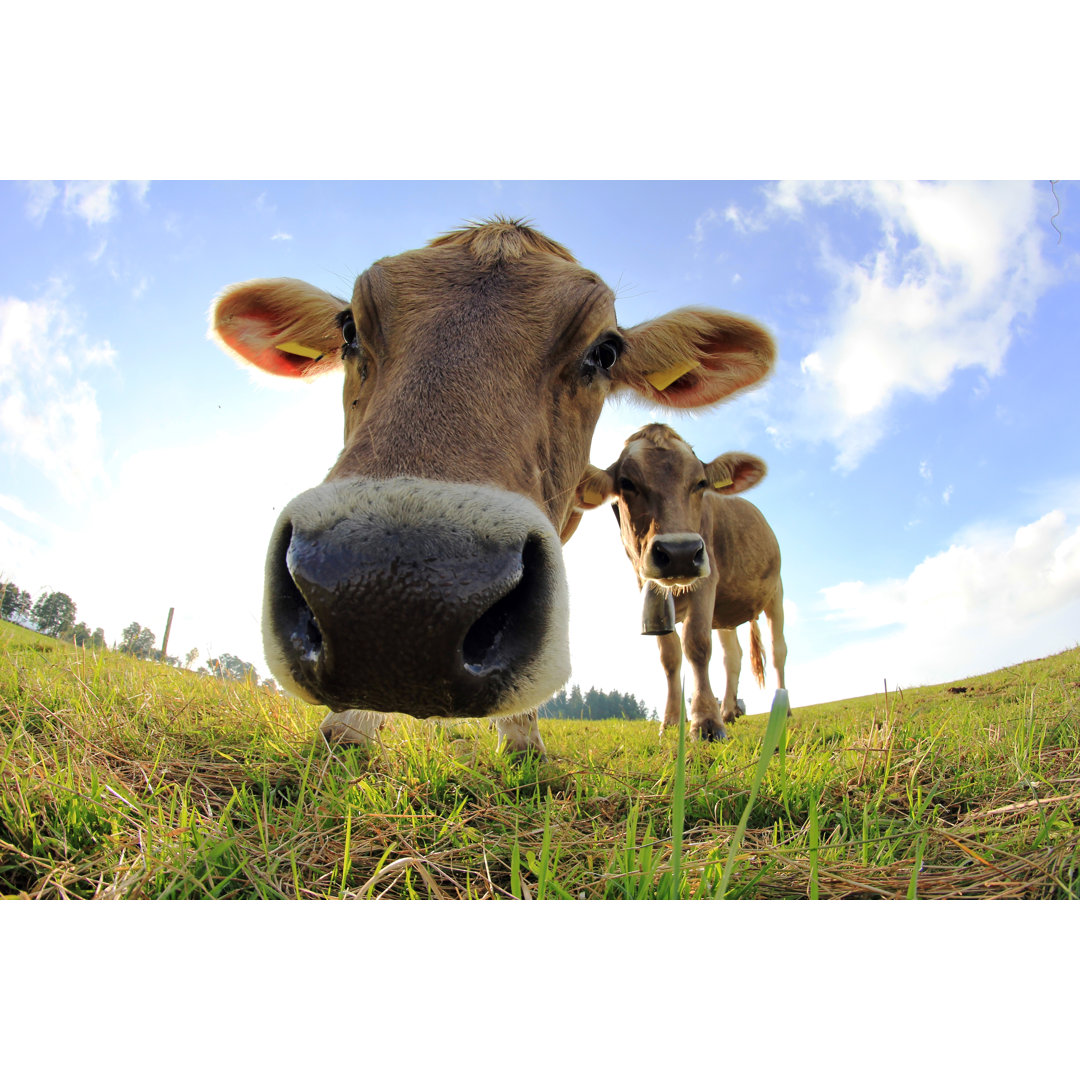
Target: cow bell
{"x": 658, "y": 611}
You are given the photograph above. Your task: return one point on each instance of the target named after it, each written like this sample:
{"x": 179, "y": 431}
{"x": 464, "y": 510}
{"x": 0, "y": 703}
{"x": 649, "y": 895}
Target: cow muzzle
{"x": 416, "y": 596}
{"x": 676, "y": 559}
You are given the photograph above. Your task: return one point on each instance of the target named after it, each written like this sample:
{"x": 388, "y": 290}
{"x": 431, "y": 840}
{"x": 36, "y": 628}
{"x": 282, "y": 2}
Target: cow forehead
{"x": 660, "y": 463}
{"x": 534, "y": 286}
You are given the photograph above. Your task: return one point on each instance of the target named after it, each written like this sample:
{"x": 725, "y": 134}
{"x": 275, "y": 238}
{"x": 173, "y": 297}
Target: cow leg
{"x": 520, "y": 734}
{"x": 671, "y": 661}
{"x": 733, "y": 657}
{"x": 774, "y": 614}
{"x": 353, "y": 726}
{"x": 706, "y": 721}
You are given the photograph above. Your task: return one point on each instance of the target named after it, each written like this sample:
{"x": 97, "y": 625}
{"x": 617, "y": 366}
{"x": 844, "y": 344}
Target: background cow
{"x": 685, "y": 533}
{"x": 424, "y": 575}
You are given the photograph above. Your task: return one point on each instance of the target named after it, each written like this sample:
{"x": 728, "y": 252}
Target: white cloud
{"x": 947, "y": 494}
{"x": 48, "y": 412}
{"x": 92, "y": 200}
{"x": 281, "y": 236}
{"x": 955, "y": 268}
{"x": 42, "y": 194}
{"x": 925, "y": 471}
{"x": 16, "y": 507}
{"x": 992, "y": 598}
{"x": 701, "y": 224}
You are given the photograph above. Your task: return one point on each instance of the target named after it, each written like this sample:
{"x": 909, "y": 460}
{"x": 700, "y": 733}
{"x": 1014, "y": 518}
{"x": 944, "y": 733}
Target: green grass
{"x": 122, "y": 778}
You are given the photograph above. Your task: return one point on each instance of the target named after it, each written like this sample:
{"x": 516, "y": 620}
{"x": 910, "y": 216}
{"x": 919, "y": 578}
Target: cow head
{"x": 424, "y": 574}
{"x": 660, "y": 488}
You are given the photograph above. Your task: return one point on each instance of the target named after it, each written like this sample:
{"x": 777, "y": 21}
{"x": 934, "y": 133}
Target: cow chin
{"x": 678, "y": 586}
{"x": 416, "y": 596}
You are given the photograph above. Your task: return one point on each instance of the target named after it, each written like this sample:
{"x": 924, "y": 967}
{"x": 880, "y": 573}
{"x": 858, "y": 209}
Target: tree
{"x": 228, "y": 666}
{"x": 137, "y": 640}
{"x": 79, "y": 634}
{"x": 54, "y": 613}
{"x": 595, "y": 705}
{"x": 191, "y": 657}
{"x": 14, "y": 602}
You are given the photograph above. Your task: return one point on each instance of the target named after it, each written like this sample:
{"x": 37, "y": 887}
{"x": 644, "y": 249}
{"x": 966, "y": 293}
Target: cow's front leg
{"x": 353, "y": 726}
{"x": 733, "y": 657}
{"x": 671, "y": 661}
{"x": 706, "y": 721}
{"x": 520, "y": 734}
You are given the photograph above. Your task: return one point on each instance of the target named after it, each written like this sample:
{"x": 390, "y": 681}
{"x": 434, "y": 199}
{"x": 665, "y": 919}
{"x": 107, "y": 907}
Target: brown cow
{"x": 424, "y": 575}
{"x": 715, "y": 554}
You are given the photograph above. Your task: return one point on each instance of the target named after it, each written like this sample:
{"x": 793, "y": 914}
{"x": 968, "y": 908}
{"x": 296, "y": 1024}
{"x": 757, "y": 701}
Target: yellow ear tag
{"x": 297, "y": 349}
{"x": 663, "y": 379}
{"x": 722, "y": 483}
{"x": 590, "y": 496}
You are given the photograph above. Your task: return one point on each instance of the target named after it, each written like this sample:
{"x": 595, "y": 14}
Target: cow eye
{"x": 606, "y": 354}
{"x": 627, "y": 486}
{"x": 701, "y": 485}
{"x": 348, "y": 330}
{"x": 603, "y": 354}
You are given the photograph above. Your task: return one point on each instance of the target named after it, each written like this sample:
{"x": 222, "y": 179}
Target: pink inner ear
{"x": 745, "y": 476}
{"x": 248, "y": 337}
{"x": 689, "y": 391}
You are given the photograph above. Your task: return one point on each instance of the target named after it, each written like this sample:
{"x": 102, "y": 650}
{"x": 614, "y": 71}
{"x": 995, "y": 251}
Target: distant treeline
{"x": 595, "y": 705}
{"x": 54, "y": 614}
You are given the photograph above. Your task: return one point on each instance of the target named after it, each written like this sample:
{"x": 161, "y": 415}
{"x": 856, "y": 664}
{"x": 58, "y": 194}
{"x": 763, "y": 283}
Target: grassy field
{"x": 123, "y": 778}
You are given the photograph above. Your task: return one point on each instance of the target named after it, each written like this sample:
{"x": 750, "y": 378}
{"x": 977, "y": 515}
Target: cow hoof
{"x": 709, "y": 732}
{"x": 357, "y": 727}
{"x": 523, "y": 753}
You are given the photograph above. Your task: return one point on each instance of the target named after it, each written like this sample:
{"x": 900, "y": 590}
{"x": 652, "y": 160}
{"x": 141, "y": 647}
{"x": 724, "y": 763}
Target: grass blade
{"x": 678, "y": 805}
{"x": 773, "y": 730}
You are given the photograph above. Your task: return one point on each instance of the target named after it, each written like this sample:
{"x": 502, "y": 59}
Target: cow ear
{"x": 734, "y": 472}
{"x": 282, "y": 325}
{"x": 694, "y": 357}
{"x": 594, "y": 488}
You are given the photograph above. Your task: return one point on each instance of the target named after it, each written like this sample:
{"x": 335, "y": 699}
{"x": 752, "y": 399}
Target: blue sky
{"x": 924, "y": 471}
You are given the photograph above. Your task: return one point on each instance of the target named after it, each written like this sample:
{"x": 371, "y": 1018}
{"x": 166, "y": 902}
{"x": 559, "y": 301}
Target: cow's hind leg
{"x": 774, "y": 613}
{"x": 359, "y": 726}
{"x": 520, "y": 734}
{"x": 671, "y": 661}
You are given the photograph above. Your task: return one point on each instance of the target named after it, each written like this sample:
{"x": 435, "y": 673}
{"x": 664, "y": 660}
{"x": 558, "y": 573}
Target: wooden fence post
{"x": 165, "y": 639}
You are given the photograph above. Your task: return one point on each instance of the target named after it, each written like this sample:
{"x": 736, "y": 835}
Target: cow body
{"x": 685, "y": 531}
{"x": 424, "y": 574}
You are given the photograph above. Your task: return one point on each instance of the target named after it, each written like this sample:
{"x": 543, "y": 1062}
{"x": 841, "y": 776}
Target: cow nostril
{"x": 493, "y": 636}
{"x": 481, "y": 648}
{"x": 291, "y": 610}
{"x": 699, "y": 555}
{"x": 660, "y": 556}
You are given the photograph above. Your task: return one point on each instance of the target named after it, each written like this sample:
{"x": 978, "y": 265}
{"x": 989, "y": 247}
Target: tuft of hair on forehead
{"x": 660, "y": 435}
{"x": 501, "y": 239}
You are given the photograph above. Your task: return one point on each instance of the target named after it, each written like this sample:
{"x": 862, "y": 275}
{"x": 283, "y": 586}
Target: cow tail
{"x": 757, "y": 653}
